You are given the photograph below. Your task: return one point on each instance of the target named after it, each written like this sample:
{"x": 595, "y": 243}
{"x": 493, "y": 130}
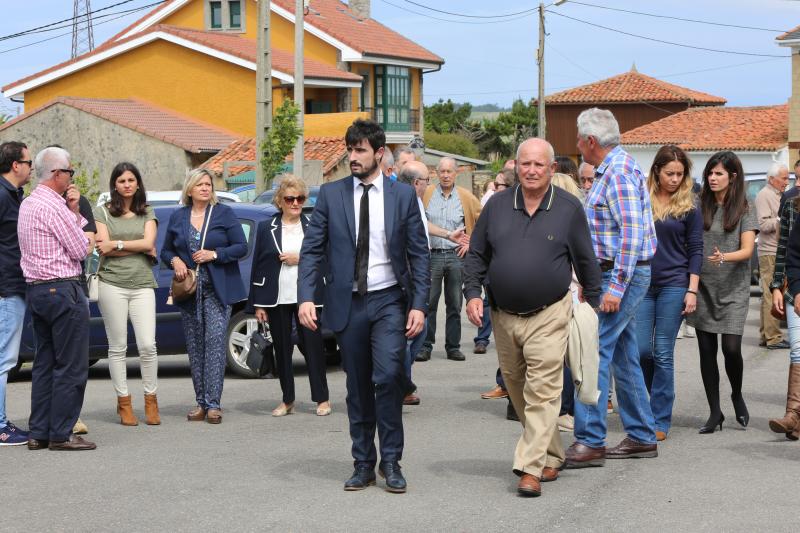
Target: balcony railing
{"x": 395, "y": 119}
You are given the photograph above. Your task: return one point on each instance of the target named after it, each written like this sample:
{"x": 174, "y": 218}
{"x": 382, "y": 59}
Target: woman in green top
{"x": 126, "y": 237}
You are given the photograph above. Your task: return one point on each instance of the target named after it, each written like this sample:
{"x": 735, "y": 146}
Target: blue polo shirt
{"x": 12, "y": 282}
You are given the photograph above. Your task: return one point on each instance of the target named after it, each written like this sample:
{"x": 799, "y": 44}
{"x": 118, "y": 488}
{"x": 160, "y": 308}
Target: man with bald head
{"x": 526, "y": 244}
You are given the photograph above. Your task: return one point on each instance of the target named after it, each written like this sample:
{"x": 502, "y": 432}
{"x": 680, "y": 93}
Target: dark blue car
{"x": 169, "y": 331}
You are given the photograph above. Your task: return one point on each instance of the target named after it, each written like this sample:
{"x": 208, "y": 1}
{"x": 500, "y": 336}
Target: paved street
{"x": 255, "y": 472}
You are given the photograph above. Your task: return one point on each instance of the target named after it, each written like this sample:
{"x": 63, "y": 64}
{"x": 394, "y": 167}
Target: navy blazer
{"x": 225, "y": 237}
{"x": 267, "y": 264}
{"x": 331, "y": 235}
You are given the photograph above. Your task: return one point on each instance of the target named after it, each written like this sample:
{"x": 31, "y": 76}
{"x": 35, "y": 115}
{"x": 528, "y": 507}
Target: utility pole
{"x": 540, "y": 60}
{"x": 82, "y": 34}
{"x": 263, "y": 90}
{"x": 299, "y": 86}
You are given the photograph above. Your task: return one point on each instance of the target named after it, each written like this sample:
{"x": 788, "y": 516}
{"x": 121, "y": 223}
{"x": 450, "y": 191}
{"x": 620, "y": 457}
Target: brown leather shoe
{"x": 198, "y": 414}
{"x": 479, "y": 348}
{"x": 37, "y": 444}
{"x": 529, "y": 486}
{"x": 631, "y": 449}
{"x": 411, "y": 399}
{"x": 549, "y": 474}
{"x": 582, "y": 456}
{"x": 125, "y": 411}
{"x": 151, "y": 416}
{"x": 76, "y": 443}
{"x": 495, "y": 394}
{"x": 214, "y": 416}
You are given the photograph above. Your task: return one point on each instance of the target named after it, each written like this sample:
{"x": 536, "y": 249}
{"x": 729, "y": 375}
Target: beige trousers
{"x": 770, "y": 329}
{"x": 117, "y": 305}
{"x": 531, "y": 353}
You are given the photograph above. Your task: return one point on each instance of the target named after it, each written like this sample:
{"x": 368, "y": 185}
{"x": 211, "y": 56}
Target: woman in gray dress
{"x": 730, "y": 228}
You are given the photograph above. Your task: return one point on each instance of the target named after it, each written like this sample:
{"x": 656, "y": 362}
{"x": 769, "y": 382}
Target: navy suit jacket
{"x": 331, "y": 236}
{"x": 267, "y": 263}
{"x": 225, "y": 237}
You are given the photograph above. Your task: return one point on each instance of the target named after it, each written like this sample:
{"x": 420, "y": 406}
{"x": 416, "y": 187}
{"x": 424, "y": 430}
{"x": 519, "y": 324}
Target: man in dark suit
{"x": 369, "y": 230}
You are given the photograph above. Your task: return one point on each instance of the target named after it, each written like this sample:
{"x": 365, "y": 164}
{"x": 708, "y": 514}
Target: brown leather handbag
{"x": 181, "y": 291}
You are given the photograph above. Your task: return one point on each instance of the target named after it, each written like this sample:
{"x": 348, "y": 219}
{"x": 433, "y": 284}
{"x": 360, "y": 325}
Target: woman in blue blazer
{"x": 205, "y": 316}
{"x": 273, "y": 294}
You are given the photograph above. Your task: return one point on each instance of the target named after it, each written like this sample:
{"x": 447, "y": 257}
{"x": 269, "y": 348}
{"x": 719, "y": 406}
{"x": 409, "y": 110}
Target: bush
{"x": 452, "y": 143}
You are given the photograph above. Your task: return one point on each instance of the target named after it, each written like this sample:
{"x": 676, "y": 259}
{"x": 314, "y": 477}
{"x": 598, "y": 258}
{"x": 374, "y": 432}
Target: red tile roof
{"x": 794, "y": 33}
{"x": 632, "y": 87}
{"x": 329, "y": 150}
{"x": 755, "y": 129}
{"x": 187, "y": 133}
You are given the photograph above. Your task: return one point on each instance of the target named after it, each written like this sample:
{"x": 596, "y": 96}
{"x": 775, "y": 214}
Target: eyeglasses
{"x": 292, "y": 199}
{"x": 64, "y": 170}
{"x": 28, "y": 162}
{"x": 426, "y": 180}
{"x": 497, "y": 184}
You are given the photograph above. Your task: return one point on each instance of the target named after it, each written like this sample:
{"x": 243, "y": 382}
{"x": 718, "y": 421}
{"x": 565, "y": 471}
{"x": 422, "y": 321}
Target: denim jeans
{"x": 446, "y": 267}
{"x": 12, "y": 313}
{"x": 794, "y": 332}
{"x": 485, "y": 331}
{"x": 618, "y": 349}
{"x": 658, "y": 320}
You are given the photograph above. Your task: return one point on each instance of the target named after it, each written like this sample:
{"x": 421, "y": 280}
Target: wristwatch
{"x": 120, "y": 245}
{"x": 215, "y": 255}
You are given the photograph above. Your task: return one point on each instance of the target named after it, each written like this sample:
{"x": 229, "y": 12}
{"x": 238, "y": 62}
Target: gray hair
{"x": 387, "y": 161}
{"x": 409, "y": 175}
{"x": 551, "y": 153}
{"x": 450, "y": 160}
{"x": 582, "y": 166}
{"x": 404, "y": 150}
{"x": 48, "y": 160}
{"x": 775, "y": 169}
{"x": 600, "y": 124}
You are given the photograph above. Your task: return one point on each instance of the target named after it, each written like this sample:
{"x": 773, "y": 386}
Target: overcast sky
{"x": 495, "y": 62}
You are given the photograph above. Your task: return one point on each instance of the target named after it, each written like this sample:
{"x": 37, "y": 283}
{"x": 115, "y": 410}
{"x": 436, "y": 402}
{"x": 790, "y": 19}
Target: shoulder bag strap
{"x": 205, "y": 230}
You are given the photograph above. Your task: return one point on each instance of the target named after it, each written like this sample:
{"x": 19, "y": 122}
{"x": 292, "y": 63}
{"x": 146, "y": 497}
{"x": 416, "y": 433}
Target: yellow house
{"x": 198, "y": 58}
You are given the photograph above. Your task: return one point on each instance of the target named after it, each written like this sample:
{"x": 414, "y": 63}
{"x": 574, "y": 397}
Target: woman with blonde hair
{"x": 273, "y": 294}
{"x": 674, "y": 277}
{"x": 205, "y": 236}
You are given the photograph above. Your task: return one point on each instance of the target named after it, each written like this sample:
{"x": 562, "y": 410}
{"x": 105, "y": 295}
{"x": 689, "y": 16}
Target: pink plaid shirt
{"x": 50, "y": 237}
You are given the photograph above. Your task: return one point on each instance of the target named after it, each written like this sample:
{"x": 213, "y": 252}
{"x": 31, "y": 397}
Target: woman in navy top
{"x": 675, "y": 275}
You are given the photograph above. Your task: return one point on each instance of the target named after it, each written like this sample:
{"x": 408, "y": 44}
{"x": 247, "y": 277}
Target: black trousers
{"x": 280, "y": 324}
{"x": 60, "y": 313}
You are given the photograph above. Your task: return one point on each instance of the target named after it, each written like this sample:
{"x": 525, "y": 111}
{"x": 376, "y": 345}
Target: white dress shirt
{"x": 424, "y": 219}
{"x": 379, "y": 273}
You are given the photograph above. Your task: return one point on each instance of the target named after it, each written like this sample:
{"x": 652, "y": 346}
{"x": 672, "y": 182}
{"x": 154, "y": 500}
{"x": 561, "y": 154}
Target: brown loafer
{"x": 37, "y": 444}
{"x": 582, "y": 456}
{"x": 214, "y": 416}
{"x": 631, "y": 449}
{"x": 529, "y": 486}
{"x": 76, "y": 443}
{"x": 549, "y": 474}
{"x": 495, "y": 394}
{"x": 198, "y": 414}
{"x": 411, "y": 399}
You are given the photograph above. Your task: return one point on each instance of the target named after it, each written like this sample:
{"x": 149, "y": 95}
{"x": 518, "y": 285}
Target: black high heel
{"x": 742, "y": 415}
{"x": 711, "y": 424}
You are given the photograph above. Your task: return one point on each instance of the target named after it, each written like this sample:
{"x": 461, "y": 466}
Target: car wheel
{"x": 333, "y": 356}
{"x": 240, "y": 328}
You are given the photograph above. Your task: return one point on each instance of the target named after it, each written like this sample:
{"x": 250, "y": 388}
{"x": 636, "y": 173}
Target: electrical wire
{"x": 426, "y": 15}
{"x": 471, "y": 16}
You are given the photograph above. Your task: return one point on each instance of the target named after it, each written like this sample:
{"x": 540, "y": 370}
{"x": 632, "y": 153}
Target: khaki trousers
{"x": 770, "y": 329}
{"x": 531, "y": 354}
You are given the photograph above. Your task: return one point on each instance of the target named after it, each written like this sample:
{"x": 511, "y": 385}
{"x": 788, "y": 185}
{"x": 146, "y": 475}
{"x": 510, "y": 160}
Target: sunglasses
{"x": 64, "y": 170}
{"x": 292, "y": 199}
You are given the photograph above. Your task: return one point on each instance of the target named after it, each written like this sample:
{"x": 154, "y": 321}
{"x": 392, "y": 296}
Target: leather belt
{"x": 443, "y": 250}
{"x": 56, "y": 280}
{"x": 606, "y": 265}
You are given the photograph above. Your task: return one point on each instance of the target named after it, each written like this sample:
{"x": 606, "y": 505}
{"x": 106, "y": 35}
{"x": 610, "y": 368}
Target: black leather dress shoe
{"x": 423, "y": 355}
{"x": 37, "y": 444}
{"x": 456, "y": 356}
{"x": 511, "y": 413}
{"x": 395, "y": 482}
{"x": 363, "y": 476}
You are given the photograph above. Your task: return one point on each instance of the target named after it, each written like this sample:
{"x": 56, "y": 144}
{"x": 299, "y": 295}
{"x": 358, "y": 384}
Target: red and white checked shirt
{"x": 50, "y": 237}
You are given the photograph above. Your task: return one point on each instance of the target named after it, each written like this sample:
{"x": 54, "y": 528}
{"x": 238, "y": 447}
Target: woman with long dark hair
{"x": 730, "y": 228}
{"x": 126, "y": 239}
{"x": 674, "y": 277}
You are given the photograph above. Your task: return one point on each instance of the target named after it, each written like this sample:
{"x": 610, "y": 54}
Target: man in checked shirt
{"x": 624, "y": 241}
{"x": 53, "y": 246}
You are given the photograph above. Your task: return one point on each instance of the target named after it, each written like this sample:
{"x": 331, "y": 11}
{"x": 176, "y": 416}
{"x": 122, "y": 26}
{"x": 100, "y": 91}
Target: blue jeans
{"x": 618, "y": 349}
{"x": 658, "y": 320}
{"x": 793, "y": 322}
{"x": 12, "y": 313}
{"x": 446, "y": 267}
{"x": 485, "y": 331}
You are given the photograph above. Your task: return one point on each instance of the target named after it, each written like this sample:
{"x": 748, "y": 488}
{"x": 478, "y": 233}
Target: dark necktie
{"x": 362, "y": 242}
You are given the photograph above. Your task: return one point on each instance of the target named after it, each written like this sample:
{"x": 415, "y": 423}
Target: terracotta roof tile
{"x": 718, "y": 128}
{"x": 632, "y": 87}
{"x": 187, "y": 133}
{"x": 329, "y": 150}
{"x": 791, "y": 34}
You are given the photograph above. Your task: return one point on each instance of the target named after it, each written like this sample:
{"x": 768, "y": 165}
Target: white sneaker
{"x": 566, "y": 423}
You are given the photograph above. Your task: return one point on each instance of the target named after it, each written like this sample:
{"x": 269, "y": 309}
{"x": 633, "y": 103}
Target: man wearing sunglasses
{"x": 15, "y": 172}
{"x": 53, "y": 245}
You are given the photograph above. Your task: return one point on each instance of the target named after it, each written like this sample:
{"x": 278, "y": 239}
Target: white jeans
{"x": 117, "y": 305}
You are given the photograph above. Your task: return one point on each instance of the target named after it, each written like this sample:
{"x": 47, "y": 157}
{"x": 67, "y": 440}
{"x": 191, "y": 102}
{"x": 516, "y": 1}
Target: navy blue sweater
{"x": 680, "y": 250}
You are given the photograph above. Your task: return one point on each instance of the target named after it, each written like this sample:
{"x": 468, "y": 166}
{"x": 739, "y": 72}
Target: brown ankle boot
{"x": 790, "y": 423}
{"x": 125, "y": 411}
{"x": 151, "y": 410}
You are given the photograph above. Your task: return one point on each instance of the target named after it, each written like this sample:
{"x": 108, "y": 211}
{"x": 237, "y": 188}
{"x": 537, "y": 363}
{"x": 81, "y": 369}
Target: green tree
{"x": 446, "y": 117}
{"x": 280, "y": 141}
{"x": 88, "y": 183}
{"x": 500, "y": 137}
{"x": 453, "y": 143}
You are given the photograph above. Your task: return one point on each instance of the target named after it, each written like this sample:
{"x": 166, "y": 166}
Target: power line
{"x": 662, "y": 41}
{"x": 471, "y": 16}
{"x": 677, "y": 18}
{"x": 426, "y": 15}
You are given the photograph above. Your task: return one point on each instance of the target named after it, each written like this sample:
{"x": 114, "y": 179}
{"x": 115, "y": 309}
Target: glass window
{"x": 235, "y": 12}
{"x": 215, "y": 12}
{"x": 392, "y": 97}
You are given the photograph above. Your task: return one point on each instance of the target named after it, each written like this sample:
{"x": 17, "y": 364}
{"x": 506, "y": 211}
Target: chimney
{"x": 360, "y": 8}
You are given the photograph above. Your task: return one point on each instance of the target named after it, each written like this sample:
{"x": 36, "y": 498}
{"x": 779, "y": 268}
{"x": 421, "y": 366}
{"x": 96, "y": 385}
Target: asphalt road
{"x": 254, "y": 472}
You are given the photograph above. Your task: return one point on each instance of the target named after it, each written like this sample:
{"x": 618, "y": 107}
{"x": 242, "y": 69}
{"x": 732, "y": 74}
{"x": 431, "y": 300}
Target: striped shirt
{"x": 620, "y": 218}
{"x": 447, "y": 213}
{"x": 51, "y": 240}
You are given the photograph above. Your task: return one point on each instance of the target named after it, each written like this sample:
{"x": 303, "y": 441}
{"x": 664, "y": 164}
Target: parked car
{"x": 157, "y": 198}
{"x": 169, "y": 331}
{"x": 246, "y": 193}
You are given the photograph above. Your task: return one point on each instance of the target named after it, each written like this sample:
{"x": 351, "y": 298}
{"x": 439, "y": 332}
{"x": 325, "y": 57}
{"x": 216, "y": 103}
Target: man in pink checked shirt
{"x": 53, "y": 246}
